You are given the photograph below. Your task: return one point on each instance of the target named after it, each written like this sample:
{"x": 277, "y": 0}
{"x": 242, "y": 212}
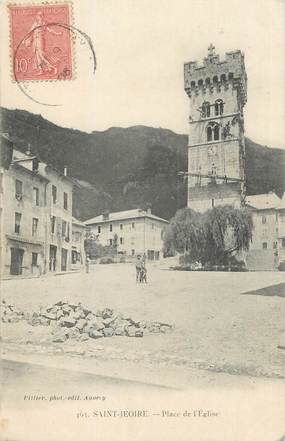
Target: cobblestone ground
{"x": 215, "y": 327}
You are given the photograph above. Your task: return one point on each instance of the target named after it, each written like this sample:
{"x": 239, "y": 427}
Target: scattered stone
{"x": 66, "y": 309}
{"x": 68, "y": 322}
{"x": 81, "y": 324}
{"x": 131, "y": 331}
{"x": 153, "y": 327}
{"x": 95, "y": 334}
{"x": 107, "y": 313}
{"x": 90, "y": 316}
{"x": 120, "y": 331}
{"x": 50, "y": 316}
{"x": 88, "y": 328}
{"x": 108, "y": 321}
{"x": 72, "y": 306}
{"x": 10, "y": 314}
{"x": 78, "y": 314}
{"x": 165, "y": 328}
{"x": 74, "y": 333}
{"x": 44, "y": 321}
{"x": 97, "y": 324}
{"x": 77, "y": 322}
{"x": 59, "y": 314}
{"x": 60, "y": 303}
{"x": 108, "y": 332}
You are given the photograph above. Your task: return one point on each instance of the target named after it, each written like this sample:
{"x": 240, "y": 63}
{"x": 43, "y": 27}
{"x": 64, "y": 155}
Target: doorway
{"x": 63, "y": 259}
{"x": 52, "y": 258}
{"x": 16, "y": 267}
{"x": 150, "y": 254}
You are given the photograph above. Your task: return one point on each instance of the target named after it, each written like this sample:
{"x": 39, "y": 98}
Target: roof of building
{"x": 78, "y": 222}
{"x": 265, "y": 201}
{"x": 22, "y": 160}
{"x": 281, "y": 206}
{"x": 121, "y": 215}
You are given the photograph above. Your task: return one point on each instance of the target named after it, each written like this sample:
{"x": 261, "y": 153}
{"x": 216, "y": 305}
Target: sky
{"x": 141, "y": 46}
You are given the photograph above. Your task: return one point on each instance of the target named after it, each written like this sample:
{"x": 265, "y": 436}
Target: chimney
{"x": 65, "y": 170}
{"x": 28, "y": 151}
{"x": 148, "y": 208}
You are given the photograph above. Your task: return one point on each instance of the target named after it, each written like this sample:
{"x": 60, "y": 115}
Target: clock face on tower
{"x": 212, "y": 150}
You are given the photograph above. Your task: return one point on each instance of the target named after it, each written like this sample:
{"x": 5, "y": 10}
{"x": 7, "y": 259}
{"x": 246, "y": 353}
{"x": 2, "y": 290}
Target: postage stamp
{"x": 41, "y": 43}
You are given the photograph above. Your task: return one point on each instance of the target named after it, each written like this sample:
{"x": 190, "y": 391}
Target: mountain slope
{"x": 126, "y": 167}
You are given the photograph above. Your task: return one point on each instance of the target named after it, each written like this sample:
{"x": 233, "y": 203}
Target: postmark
{"x": 41, "y": 43}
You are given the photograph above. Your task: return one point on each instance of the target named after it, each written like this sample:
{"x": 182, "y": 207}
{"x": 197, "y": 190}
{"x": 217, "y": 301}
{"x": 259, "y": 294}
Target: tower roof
{"x": 215, "y": 72}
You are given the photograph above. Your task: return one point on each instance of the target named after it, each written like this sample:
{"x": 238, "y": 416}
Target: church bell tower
{"x": 216, "y": 150}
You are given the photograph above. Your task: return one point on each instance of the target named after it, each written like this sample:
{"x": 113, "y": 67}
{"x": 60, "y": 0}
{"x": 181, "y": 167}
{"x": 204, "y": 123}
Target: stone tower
{"x": 216, "y": 151}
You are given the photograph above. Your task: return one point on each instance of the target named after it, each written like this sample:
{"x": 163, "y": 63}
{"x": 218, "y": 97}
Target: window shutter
{"x": 67, "y": 233}
{"x": 58, "y": 226}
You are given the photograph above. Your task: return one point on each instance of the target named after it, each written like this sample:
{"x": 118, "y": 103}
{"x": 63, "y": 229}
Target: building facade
{"x": 281, "y": 231}
{"x": 217, "y": 93}
{"x": 78, "y": 257}
{"x": 35, "y": 215}
{"x": 266, "y": 248}
{"x": 59, "y": 221}
{"x": 23, "y": 232}
{"x": 133, "y": 232}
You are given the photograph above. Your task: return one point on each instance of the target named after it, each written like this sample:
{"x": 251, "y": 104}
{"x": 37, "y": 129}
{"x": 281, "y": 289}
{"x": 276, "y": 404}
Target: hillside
{"x": 122, "y": 168}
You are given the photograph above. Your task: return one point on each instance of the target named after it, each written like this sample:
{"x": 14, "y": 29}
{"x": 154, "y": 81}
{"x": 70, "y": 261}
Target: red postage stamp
{"x": 41, "y": 42}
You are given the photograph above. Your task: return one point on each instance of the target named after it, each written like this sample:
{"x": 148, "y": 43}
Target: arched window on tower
{"x": 216, "y": 132}
{"x": 219, "y": 107}
{"x": 213, "y": 132}
{"x": 206, "y": 109}
{"x": 209, "y": 133}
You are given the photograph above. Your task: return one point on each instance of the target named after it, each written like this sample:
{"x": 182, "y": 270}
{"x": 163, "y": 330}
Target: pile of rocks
{"x": 76, "y": 321}
{"x": 10, "y": 314}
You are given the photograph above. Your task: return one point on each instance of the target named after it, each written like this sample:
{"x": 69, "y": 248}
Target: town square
{"x": 142, "y": 220}
{"x": 211, "y": 314}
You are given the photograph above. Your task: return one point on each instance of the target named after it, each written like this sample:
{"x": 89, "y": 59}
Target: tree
{"x": 228, "y": 231}
{"x": 210, "y": 238}
{"x": 185, "y": 234}
{"x": 115, "y": 243}
{"x": 90, "y": 245}
{"x": 95, "y": 250}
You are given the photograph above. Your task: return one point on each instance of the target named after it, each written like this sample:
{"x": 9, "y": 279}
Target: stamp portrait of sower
{"x": 41, "y": 42}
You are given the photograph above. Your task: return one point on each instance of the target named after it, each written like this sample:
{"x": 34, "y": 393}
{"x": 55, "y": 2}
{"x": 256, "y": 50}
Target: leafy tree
{"x": 227, "y": 231}
{"x": 91, "y": 245}
{"x": 213, "y": 237}
{"x": 115, "y": 242}
{"x": 185, "y": 234}
{"x": 94, "y": 250}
